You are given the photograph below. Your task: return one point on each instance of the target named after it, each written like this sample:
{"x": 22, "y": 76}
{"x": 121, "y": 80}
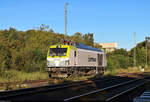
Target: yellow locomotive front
{"x": 58, "y": 59}
{"x": 58, "y": 56}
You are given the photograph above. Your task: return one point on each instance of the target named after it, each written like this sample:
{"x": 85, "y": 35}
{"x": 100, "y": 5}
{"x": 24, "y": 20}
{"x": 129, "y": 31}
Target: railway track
{"x": 81, "y": 90}
{"x": 29, "y": 83}
{"x": 111, "y": 93}
{"x": 25, "y": 91}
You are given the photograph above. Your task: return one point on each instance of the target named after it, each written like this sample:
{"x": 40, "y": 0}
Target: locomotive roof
{"x": 82, "y": 46}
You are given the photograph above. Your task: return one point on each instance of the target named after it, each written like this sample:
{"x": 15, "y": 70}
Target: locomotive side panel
{"x": 71, "y": 58}
{"x": 86, "y": 58}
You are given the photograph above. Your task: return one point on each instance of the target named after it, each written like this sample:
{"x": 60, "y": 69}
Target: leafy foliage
{"x": 121, "y": 58}
{"x": 26, "y": 50}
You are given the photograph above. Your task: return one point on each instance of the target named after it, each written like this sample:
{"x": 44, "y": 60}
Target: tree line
{"x": 121, "y": 58}
{"x": 27, "y": 50}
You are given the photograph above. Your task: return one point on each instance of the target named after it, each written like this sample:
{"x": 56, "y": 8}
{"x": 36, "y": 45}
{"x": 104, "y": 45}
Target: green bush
{"x": 27, "y": 50}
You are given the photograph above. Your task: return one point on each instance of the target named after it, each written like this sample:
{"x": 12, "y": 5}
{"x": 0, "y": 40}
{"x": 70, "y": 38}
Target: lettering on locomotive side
{"x": 91, "y": 59}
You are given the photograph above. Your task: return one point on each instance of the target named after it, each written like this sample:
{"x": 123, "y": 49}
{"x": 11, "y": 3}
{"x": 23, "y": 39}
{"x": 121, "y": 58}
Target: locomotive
{"x": 71, "y": 58}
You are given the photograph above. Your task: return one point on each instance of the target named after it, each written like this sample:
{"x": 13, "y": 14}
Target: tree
{"x": 44, "y": 27}
{"x": 119, "y": 58}
{"x": 97, "y": 46}
{"x": 88, "y": 38}
{"x": 77, "y": 37}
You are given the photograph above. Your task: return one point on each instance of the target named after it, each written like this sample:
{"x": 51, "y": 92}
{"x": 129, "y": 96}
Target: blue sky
{"x": 109, "y": 20}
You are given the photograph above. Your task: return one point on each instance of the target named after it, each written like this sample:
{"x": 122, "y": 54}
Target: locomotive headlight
{"x": 48, "y": 63}
{"x": 67, "y": 62}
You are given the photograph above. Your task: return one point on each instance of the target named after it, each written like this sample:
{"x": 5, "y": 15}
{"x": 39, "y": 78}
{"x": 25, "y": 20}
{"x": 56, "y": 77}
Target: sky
{"x": 108, "y": 20}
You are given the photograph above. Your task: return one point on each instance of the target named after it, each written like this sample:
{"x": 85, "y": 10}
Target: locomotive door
{"x": 100, "y": 59}
{"x": 75, "y": 54}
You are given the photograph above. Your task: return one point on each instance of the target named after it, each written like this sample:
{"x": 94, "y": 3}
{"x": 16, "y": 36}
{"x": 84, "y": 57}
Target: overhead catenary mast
{"x": 66, "y": 17}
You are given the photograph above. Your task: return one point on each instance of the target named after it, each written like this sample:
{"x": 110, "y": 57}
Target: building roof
{"x": 109, "y": 45}
{"x": 82, "y": 46}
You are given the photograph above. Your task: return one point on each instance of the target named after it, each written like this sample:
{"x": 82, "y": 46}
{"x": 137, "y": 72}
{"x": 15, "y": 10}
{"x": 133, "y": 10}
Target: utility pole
{"x": 134, "y": 49}
{"x": 66, "y": 17}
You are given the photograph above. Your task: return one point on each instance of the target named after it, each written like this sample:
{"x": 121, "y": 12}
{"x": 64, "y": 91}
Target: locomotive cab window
{"x": 58, "y": 52}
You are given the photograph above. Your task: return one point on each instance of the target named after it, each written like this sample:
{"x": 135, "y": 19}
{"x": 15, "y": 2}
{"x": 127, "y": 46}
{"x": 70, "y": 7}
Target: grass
{"x": 128, "y": 70}
{"x": 19, "y": 76}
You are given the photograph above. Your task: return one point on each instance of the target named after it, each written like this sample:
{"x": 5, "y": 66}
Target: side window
{"x": 75, "y": 54}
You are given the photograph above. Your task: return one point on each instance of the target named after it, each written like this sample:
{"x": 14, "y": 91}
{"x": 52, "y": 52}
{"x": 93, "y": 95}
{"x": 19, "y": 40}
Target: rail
{"x": 109, "y": 83}
{"x": 78, "y": 97}
{"x": 24, "y": 91}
